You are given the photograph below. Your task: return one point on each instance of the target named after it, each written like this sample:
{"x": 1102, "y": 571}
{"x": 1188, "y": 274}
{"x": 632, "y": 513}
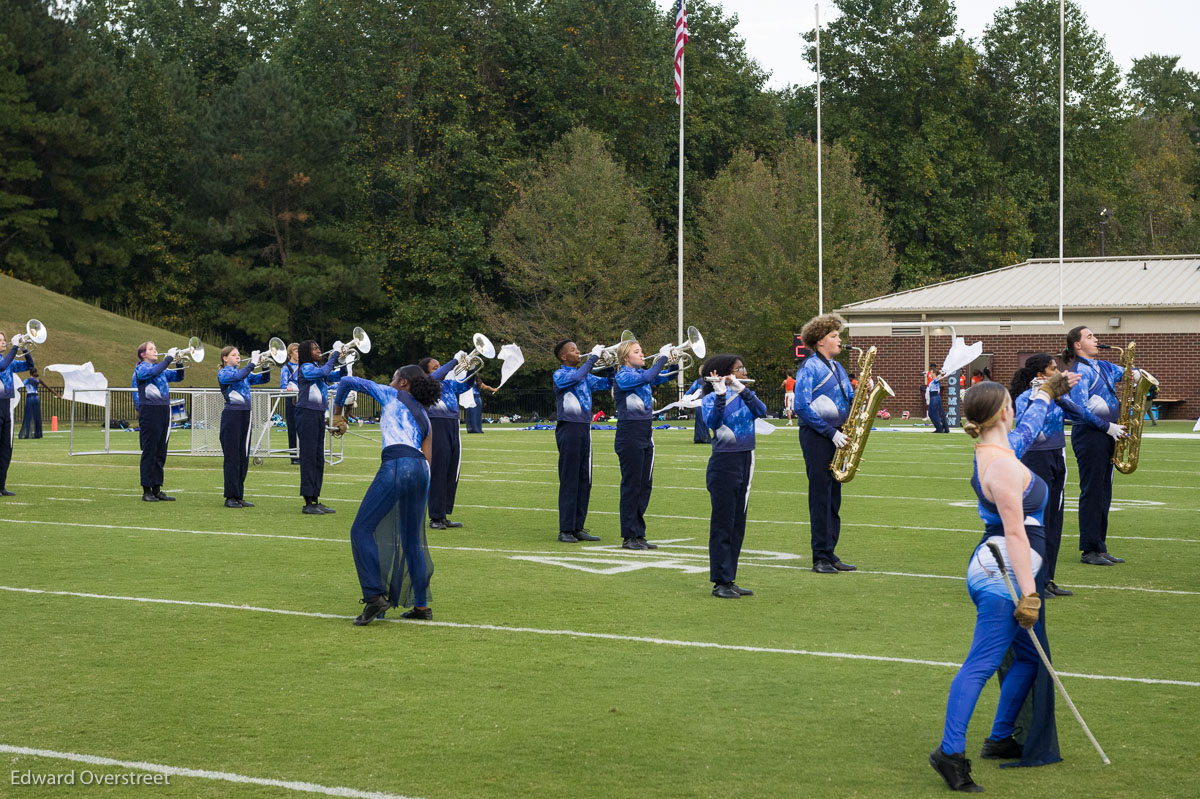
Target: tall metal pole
{"x": 679, "y": 244}
{"x": 820, "y": 226}
{"x": 1062, "y": 95}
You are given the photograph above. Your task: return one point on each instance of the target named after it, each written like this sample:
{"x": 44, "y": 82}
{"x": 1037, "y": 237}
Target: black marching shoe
{"x": 232, "y": 503}
{"x": 955, "y": 770}
{"x": 584, "y": 535}
{"x": 437, "y": 524}
{"x": 725, "y": 591}
{"x": 844, "y": 567}
{"x": 1053, "y": 590}
{"x": 4, "y": 492}
{"x": 1094, "y": 559}
{"x": 375, "y": 608}
{"x": 421, "y": 614}
{"x": 324, "y": 509}
{"x": 158, "y": 492}
{"x": 1111, "y": 558}
{"x": 743, "y": 591}
{"x": 450, "y": 524}
{"x": 646, "y": 544}
{"x": 245, "y": 504}
{"x": 567, "y": 538}
{"x": 313, "y": 510}
{"x": 1007, "y": 749}
{"x": 633, "y": 543}
{"x": 824, "y": 567}
{"x": 149, "y": 496}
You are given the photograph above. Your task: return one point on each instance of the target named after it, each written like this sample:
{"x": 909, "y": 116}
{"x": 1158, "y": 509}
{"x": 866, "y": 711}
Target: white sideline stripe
{"x": 69, "y": 499}
{"x": 204, "y": 774}
{"x": 579, "y": 634}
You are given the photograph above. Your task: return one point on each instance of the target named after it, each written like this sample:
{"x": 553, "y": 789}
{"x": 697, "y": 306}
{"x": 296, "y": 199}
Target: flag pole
{"x": 679, "y": 247}
{"x": 820, "y": 226}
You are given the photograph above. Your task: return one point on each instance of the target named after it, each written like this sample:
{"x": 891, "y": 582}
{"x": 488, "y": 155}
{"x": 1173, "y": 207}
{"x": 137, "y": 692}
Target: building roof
{"x": 1150, "y": 282}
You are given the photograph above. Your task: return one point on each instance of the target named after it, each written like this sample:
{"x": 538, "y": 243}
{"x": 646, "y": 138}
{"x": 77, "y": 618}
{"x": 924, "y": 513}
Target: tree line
{"x": 248, "y": 168}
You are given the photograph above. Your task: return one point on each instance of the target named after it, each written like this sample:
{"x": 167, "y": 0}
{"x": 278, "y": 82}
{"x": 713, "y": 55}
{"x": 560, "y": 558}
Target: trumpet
{"x": 685, "y": 354}
{"x": 192, "y": 353}
{"x": 608, "y": 357}
{"x": 471, "y": 362}
{"x": 276, "y": 351}
{"x": 35, "y": 334}
{"x": 348, "y": 352}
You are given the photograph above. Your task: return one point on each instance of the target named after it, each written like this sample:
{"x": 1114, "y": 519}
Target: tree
{"x": 1162, "y": 216}
{"x": 580, "y": 256}
{"x": 1160, "y": 88}
{"x": 757, "y": 276}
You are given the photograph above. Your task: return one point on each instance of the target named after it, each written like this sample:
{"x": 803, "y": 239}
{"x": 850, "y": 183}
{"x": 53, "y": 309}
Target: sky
{"x": 771, "y": 30}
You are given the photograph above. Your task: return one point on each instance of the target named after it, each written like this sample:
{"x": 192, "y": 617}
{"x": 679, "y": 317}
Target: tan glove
{"x": 1056, "y": 386}
{"x": 339, "y": 425}
{"x": 1026, "y": 612}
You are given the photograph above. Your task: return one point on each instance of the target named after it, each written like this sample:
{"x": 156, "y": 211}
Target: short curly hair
{"x": 819, "y": 327}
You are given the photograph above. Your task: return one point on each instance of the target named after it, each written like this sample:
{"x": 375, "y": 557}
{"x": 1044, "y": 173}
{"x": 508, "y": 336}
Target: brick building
{"x": 1153, "y": 301}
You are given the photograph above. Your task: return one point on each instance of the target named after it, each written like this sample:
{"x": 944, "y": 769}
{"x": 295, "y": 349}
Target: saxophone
{"x": 862, "y": 416}
{"x": 1132, "y": 412}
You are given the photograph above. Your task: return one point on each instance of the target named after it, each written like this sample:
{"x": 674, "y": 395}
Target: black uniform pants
{"x": 1051, "y": 466}
{"x": 824, "y": 494}
{"x": 31, "y": 426}
{"x": 154, "y": 428}
{"x": 700, "y": 429}
{"x": 289, "y": 413}
{"x": 1093, "y": 451}
{"x": 574, "y": 441}
{"x": 444, "y": 467}
{"x": 6, "y": 439}
{"x": 310, "y": 438}
{"x": 634, "y": 444}
{"x": 728, "y": 480}
{"x": 475, "y": 418}
{"x": 235, "y": 444}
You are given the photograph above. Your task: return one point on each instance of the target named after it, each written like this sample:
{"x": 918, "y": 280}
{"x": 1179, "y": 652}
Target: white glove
{"x": 737, "y": 385}
{"x": 1137, "y": 375}
{"x": 255, "y": 357}
{"x": 460, "y": 355}
{"x": 840, "y": 439}
{"x": 665, "y": 352}
{"x": 598, "y": 350}
{"x": 1116, "y": 431}
{"x": 172, "y": 353}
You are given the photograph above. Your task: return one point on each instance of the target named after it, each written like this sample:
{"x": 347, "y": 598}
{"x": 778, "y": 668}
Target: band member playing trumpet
{"x": 9, "y": 365}
{"x": 311, "y": 403}
{"x": 446, "y": 464}
{"x": 634, "y": 441}
{"x": 823, "y": 398}
{"x": 289, "y": 374}
{"x": 1094, "y": 445}
{"x": 388, "y": 534}
{"x": 573, "y": 387}
{"x": 154, "y": 416}
{"x": 729, "y": 410}
{"x": 235, "y": 421}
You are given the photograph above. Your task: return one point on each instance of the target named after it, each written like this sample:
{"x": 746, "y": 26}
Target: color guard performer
{"x": 1094, "y": 445}
{"x": 235, "y": 421}
{"x": 933, "y": 398}
{"x": 446, "y": 464}
{"x": 289, "y": 374}
{"x": 823, "y": 399}
{"x": 31, "y": 425}
{"x": 634, "y": 441}
{"x": 388, "y": 534}
{"x": 9, "y": 365}
{"x": 573, "y": 387}
{"x": 729, "y": 410}
{"x": 311, "y": 404}
{"x": 154, "y": 416}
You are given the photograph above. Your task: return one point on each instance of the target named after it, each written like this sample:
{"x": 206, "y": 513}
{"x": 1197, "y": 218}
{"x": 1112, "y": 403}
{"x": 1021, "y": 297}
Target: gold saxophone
{"x": 862, "y": 416}
{"x": 1132, "y": 412}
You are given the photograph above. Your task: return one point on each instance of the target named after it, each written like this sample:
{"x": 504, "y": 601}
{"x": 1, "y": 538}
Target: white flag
{"x": 513, "y": 358}
{"x": 961, "y": 355}
{"x": 82, "y": 383}
{"x": 763, "y": 428}
{"x": 467, "y": 399}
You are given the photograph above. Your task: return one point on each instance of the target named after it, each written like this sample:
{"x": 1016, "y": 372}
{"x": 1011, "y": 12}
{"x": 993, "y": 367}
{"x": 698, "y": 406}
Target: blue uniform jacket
{"x": 823, "y": 395}
{"x": 152, "y": 379}
{"x": 1096, "y": 389}
{"x": 8, "y": 365}
{"x": 1052, "y": 435}
{"x": 731, "y": 417}
{"x": 235, "y": 385}
{"x": 447, "y": 406}
{"x": 633, "y": 395}
{"x": 312, "y": 382}
{"x": 573, "y": 389}
{"x": 289, "y": 374}
{"x": 402, "y": 420}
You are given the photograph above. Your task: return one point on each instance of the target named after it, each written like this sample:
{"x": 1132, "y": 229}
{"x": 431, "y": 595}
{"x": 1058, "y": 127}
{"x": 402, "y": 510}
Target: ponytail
{"x": 1073, "y": 337}
{"x": 423, "y": 388}
{"x": 1033, "y": 365}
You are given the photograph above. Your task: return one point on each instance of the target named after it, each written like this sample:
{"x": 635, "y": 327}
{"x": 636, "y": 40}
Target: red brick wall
{"x": 1170, "y": 357}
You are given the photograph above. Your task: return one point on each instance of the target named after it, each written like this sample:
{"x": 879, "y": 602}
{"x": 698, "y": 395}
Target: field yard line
{"x": 204, "y": 774}
{"x": 178, "y": 530}
{"x": 579, "y": 634}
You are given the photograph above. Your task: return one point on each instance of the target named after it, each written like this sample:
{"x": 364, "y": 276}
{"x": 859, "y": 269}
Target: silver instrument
{"x": 276, "y": 351}
{"x": 192, "y": 353}
{"x": 348, "y": 352}
{"x": 716, "y": 380}
{"x": 686, "y": 353}
{"x": 35, "y": 334}
{"x": 608, "y": 357}
{"x": 472, "y": 362}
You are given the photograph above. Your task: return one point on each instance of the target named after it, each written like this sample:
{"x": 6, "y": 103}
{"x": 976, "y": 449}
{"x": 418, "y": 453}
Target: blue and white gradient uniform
{"x": 9, "y": 365}
{"x": 447, "y": 405}
{"x": 634, "y": 394}
{"x": 289, "y": 375}
{"x": 402, "y": 420}
{"x": 235, "y": 385}
{"x": 573, "y": 387}
{"x": 1053, "y": 435}
{"x": 137, "y": 395}
{"x": 634, "y": 442}
{"x": 730, "y": 471}
{"x": 823, "y": 395}
{"x": 313, "y": 384}
{"x": 730, "y": 416}
{"x": 1093, "y": 447}
{"x": 1096, "y": 389}
{"x": 152, "y": 380}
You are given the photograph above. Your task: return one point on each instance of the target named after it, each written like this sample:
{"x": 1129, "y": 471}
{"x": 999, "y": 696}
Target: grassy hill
{"x": 79, "y": 332}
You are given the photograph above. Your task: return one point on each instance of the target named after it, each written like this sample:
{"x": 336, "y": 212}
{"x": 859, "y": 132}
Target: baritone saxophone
{"x": 862, "y": 415}
{"x": 1132, "y": 412}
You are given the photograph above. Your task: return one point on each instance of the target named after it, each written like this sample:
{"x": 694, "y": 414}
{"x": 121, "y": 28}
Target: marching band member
{"x": 699, "y": 427}
{"x": 388, "y": 533}
{"x": 235, "y": 421}
{"x": 154, "y": 416}
{"x": 1046, "y": 456}
{"x": 1012, "y": 500}
{"x": 933, "y": 398}
{"x": 729, "y": 409}
{"x": 8, "y": 366}
{"x": 311, "y": 403}
{"x": 446, "y": 464}
{"x": 31, "y": 426}
{"x": 823, "y": 399}
{"x": 289, "y": 374}
{"x": 573, "y": 387}
{"x": 1094, "y": 445}
{"x": 634, "y": 441}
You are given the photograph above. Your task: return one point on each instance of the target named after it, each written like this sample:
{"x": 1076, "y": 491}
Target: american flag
{"x": 681, "y": 37}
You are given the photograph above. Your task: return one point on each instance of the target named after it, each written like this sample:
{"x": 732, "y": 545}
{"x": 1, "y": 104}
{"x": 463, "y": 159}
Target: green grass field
{"x": 556, "y": 670}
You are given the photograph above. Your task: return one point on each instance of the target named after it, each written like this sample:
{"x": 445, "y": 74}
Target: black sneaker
{"x": 437, "y": 524}
{"x": 1052, "y": 589}
{"x": 584, "y": 535}
{"x": 232, "y": 503}
{"x": 149, "y": 498}
{"x": 1007, "y": 749}
{"x": 725, "y": 591}
{"x": 164, "y": 497}
{"x": 743, "y": 591}
{"x": 633, "y": 543}
{"x": 1094, "y": 559}
{"x": 323, "y": 509}
{"x": 1111, "y": 558}
{"x": 646, "y": 544}
{"x": 955, "y": 770}
{"x": 245, "y": 504}
{"x": 567, "y": 538}
{"x": 4, "y": 492}
{"x": 313, "y": 509}
{"x": 378, "y": 604}
{"x": 420, "y": 614}
{"x": 450, "y": 524}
